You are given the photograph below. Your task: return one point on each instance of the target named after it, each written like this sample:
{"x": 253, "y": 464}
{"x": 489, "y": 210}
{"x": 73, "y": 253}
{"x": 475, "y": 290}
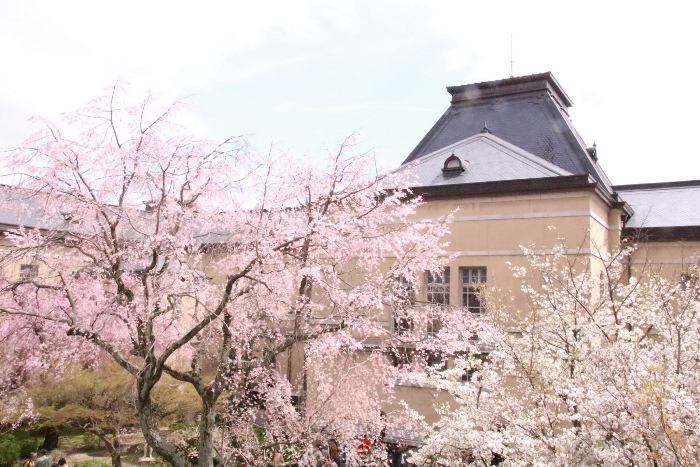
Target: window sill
{"x": 410, "y": 384}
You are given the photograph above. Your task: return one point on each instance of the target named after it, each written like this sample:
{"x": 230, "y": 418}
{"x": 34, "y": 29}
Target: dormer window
{"x": 453, "y": 164}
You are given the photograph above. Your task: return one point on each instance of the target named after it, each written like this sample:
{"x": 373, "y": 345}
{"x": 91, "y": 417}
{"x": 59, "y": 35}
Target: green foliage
{"x": 9, "y": 450}
{"x": 97, "y": 398}
{"x": 158, "y": 462}
{"x": 92, "y": 464}
{"x": 177, "y": 426}
{"x": 91, "y": 441}
{"x": 72, "y": 439}
{"x": 103, "y": 398}
{"x": 28, "y": 443}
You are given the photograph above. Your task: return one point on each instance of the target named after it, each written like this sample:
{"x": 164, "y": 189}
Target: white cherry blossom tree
{"x": 591, "y": 367}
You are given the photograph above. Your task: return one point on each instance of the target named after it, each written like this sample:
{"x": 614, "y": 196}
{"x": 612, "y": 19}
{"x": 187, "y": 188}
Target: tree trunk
{"x": 50, "y": 439}
{"x": 207, "y": 426}
{"x": 117, "y": 457}
{"x": 168, "y": 451}
{"x": 113, "y": 446}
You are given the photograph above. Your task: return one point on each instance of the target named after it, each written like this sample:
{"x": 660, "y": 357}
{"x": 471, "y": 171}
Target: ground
{"x": 72, "y": 448}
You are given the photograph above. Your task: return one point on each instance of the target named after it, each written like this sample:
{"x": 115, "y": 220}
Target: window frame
{"x": 434, "y": 326}
{"x": 471, "y": 290}
{"x": 406, "y": 294}
{"x": 436, "y": 361}
{"x": 28, "y": 271}
{"x": 438, "y": 286}
{"x": 468, "y": 374}
{"x": 402, "y": 357}
{"x": 401, "y": 325}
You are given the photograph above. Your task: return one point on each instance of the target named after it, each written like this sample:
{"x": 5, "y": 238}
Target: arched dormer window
{"x": 453, "y": 164}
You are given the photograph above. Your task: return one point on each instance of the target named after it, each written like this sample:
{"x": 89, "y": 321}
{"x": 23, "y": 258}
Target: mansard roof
{"x": 530, "y": 112}
{"x": 479, "y": 158}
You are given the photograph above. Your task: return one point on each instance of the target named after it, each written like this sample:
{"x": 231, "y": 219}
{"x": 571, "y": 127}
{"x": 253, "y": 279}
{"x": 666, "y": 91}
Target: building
{"x": 507, "y": 160}
{"x": 506, "y": 156}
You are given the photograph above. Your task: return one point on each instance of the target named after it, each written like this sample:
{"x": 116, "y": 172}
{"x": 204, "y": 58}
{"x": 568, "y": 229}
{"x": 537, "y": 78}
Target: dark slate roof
{"x": 21, "y": 207}
{"x": 672, "y": 204}
{"x": 485, "y": 158}
{"x": 529, "y": 112}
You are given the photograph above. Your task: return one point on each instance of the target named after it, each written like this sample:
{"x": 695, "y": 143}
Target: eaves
{"x": 565, "y": 183}
{"x": 662, "y": 234}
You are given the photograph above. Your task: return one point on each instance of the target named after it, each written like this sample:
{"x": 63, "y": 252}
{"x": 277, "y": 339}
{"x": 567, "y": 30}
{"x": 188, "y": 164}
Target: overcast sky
{"x": 306, "y": 74}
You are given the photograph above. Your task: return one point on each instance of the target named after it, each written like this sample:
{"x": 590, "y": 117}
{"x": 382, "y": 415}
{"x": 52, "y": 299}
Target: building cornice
{"x": 652, "y": 186}
{"x": 509, "y": 87}
{"x": 506, "y": 187}
{"x": 564, "y": 183}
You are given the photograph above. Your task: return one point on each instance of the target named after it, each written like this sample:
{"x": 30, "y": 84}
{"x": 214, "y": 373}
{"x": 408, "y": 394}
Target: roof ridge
{"x": 493, "y": 81}
{"x": 506, "y": 147}
{"x": 442, "y": 122}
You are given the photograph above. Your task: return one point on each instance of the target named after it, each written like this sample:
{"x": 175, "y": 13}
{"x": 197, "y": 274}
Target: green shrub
{"x": 27, "y": 446}
{"x": 9, "y": 451}
{"x": 91, "y": 441}
{"x": 92, "y": 464}
{"x": 159, "y": 462}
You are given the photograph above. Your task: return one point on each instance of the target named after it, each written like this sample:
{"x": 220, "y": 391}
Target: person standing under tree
{"x": 43, "y": 460}
{"x": 30, "y": 462}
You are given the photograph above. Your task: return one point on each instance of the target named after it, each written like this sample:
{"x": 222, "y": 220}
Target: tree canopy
{"x": 592, "y": 367}
{"x": 210, "y": 263}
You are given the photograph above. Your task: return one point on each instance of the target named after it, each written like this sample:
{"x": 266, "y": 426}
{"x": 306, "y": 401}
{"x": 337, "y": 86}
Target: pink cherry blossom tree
{"x": 214, "y": 265}
{"x": 591, "y": 367}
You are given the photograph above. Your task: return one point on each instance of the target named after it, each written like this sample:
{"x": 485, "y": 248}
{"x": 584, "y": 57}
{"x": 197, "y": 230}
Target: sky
{"x": 300, "y": 76}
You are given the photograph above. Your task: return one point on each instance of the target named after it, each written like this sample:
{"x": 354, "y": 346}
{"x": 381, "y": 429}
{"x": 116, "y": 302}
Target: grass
{"x": 82, "y": 449}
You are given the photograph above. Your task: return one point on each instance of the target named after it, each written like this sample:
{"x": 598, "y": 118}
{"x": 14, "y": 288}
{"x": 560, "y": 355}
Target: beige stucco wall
{"x": 491, "y": 231}
{"x": 670, "y": 259}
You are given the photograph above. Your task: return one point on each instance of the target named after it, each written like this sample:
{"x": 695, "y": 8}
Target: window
{"x": 403, "y": 295}
{"x": 690, "y": 283}
{"x": 434, "y": 326}
{"x": 688, "y": 280}
{"x": 472, "y": 281}
{"x": 403, "y": 356}
{"x": 475, "y": 364}
{"x": 402, "y": 324}
{"x": 407, "y": 356}
{"x": 453, "y": 164}
{"x": 438, "y": 288}
{"x": 28, "y": 271}
{"x": 403, "y": 292}
{"x": 601, "y": 286}
{"x": 297, "y": 400}
{"x": 438, "y": 293}
{"x": 436, "y": 361}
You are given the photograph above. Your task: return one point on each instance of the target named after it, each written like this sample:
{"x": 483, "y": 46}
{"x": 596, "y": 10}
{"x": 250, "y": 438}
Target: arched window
{"x": 453, "y": 164}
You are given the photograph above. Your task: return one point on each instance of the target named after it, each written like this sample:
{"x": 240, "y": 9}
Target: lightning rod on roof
{"x": 511, "y": 56}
